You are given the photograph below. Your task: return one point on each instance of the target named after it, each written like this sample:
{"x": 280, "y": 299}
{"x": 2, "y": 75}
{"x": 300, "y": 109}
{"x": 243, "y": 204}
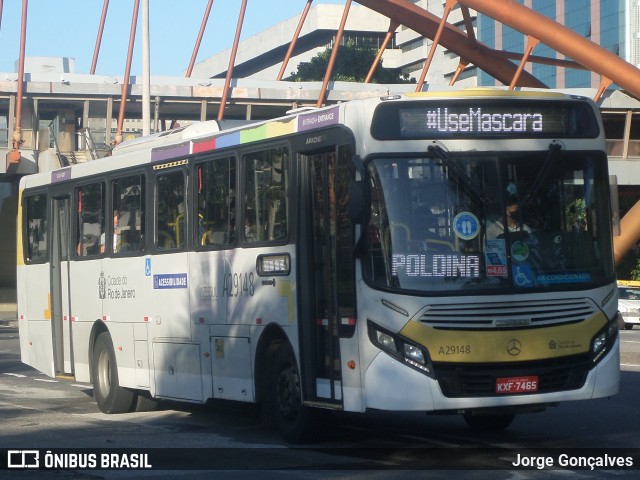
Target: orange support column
{"x": 604, "y": 84}
{"x": 199, "y": 39}
{"x": 232, "y": 60}
{"x": 461, "y": 66}
{"x": 294, "y": 40}
{"x": 531, "y": 44}
{"x": 393, "y": 26}
{"x": 436, "y": 41}
{"x": 14, "y": 156}
{"x": 334, "y": 54}
{"x": 96, "y": 51}
{"x": 127, "y": 72}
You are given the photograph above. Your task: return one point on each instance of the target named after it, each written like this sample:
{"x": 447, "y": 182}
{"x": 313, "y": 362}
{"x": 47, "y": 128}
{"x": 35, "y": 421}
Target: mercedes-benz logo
{"x": 514, "y": 347}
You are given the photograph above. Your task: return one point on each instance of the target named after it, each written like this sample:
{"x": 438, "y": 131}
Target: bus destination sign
{"x": 502, "y": 118}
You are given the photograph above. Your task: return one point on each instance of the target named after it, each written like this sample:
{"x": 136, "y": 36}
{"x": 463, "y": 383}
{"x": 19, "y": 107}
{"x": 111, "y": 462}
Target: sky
{"x": 68, "y": 28}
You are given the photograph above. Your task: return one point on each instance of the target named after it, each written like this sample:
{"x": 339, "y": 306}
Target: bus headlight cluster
{"x": 410, "y": 353}
{"x": 603, "y": 340}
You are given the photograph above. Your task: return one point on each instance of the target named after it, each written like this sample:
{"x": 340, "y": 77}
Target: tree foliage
{"x": 352, "y": 65}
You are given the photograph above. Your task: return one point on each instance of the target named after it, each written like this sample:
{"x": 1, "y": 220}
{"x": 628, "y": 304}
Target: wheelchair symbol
{"x": 520, "y": 278}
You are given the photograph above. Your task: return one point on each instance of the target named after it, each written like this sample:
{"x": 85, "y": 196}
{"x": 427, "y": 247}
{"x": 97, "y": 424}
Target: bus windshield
{"x": 487, "y": 221}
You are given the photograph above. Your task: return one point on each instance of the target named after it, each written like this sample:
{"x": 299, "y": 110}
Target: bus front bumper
{"x": 392, "y": 385}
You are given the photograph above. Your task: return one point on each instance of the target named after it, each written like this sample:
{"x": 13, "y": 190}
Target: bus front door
{"x": 323, "y": 378}
{"x": 61, "y": 324}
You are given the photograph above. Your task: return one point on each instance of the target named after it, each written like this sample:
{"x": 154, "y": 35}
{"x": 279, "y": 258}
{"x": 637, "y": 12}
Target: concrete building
{"x": 415, "y": 50}
{"x": 260, "y": 56}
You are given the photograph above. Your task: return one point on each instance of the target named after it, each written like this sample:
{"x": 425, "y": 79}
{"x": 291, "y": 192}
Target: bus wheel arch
{"x": 107, "y": 392}
{"x": 279, "y": 388}
{"x": 271, "y": 339}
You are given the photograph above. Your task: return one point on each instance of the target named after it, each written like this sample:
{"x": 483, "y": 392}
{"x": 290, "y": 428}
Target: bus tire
{"x": 109, "y": 395}
{"x": 293, "y": 420}
{"x": 488, "y": 423}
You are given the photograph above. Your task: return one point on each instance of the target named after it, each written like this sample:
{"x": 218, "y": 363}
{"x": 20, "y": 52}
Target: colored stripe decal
{"x": 269, "y": 130}
{"x": 204, "y": 146}
{"x": 163, "y": 153}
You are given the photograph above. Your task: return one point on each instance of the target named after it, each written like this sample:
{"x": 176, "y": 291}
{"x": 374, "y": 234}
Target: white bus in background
{"x": 348, "y": 258}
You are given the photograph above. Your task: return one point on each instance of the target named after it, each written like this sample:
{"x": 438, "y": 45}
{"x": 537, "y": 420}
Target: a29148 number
{"x": 455, "y": 350}
{"x": 238, "y": 284}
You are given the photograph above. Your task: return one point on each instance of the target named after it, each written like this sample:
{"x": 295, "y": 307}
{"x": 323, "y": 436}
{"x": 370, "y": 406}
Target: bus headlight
{"x": 599, "y": 343}
{"x": 400, "y": 348}
{"x": 603, "y": 340}
{"x": 386, "y": 341}
{"x": 414, "y": 353}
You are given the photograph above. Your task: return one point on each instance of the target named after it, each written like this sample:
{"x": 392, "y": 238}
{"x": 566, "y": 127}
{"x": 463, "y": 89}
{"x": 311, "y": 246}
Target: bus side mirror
{"x": 356, "y": 202}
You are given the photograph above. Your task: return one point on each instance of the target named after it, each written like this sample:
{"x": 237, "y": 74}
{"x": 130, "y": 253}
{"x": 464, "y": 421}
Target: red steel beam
{"x": 393, "y": 26}
{"x": 125, "y": 83}
{"x": 203, "y": 25}
{"x": 23, "y": 42}
{"x": 436, "y": 41}
{"x": 531, "y": 44}
{"x": 453, "y": 39}
{"x": 232, "y": 60}
{"x": 96, "y": 50}
{"x": 461, "y": 66}
{"x": 292, "y": 45}
{"x": 334, "y": 54}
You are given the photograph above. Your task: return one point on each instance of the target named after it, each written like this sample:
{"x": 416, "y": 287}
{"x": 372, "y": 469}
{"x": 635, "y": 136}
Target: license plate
{"x": 517, "y": 384}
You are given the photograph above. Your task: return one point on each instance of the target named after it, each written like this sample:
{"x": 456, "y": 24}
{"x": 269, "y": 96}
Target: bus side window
{"x": 266, "y": 178}
{"x": 90, "y": 215}
{"x": 170, "y": 208}
{"x": 216, "y": 183}
{"x": 127, "y": 223}
{"x": 36, "y": 228}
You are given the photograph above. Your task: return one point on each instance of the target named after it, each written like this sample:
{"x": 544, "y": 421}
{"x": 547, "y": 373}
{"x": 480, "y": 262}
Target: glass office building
{"x": 613, "y": 24}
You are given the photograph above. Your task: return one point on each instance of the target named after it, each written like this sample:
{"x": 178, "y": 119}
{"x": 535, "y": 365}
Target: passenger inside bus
{"x": 250, "y": 226}
{"x": 129, "y": 227}
{"x": 512, "y": 218}
{"x": 116, "y": 235}
{"x": 90, "y": 239}
{"x": 215, "y": 234}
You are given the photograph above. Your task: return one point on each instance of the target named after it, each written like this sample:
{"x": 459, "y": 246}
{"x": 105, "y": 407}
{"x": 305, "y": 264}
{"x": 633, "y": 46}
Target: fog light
{"x": 385, "y": 340}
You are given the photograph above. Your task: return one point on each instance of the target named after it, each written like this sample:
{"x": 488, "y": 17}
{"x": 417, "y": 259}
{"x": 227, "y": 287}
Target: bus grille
{"x": 558, "y": 374}
{"x": 508, "y": 315}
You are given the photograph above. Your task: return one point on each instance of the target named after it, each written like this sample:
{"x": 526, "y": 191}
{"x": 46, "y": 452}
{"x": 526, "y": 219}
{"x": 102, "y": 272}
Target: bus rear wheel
{"x": 488, "y": 423}
{"x": 293, "y": 420}
{"x": 109, "y": 395}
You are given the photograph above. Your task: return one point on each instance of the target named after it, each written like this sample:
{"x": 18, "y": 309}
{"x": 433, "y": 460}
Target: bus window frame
{"x": 194, "y": 233}
{"x": 72, "y": 190}
{"x": 289, "y": 194}
{"x": 27, "y": 194}
{"x": 157, "y": 171}
{"x": 118, "y": 175}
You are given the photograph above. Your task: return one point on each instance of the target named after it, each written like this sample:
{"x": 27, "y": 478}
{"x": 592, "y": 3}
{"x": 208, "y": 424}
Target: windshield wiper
{"x": 554, "y": 150}
{"x": 466, "y": 182}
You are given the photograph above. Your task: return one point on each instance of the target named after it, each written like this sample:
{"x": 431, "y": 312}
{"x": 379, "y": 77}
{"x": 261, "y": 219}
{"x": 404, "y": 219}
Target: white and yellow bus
{"x": 353, "y": 257}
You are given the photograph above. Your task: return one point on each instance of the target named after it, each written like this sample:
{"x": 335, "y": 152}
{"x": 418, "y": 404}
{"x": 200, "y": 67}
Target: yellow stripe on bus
{"x": 508, "y": 345}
